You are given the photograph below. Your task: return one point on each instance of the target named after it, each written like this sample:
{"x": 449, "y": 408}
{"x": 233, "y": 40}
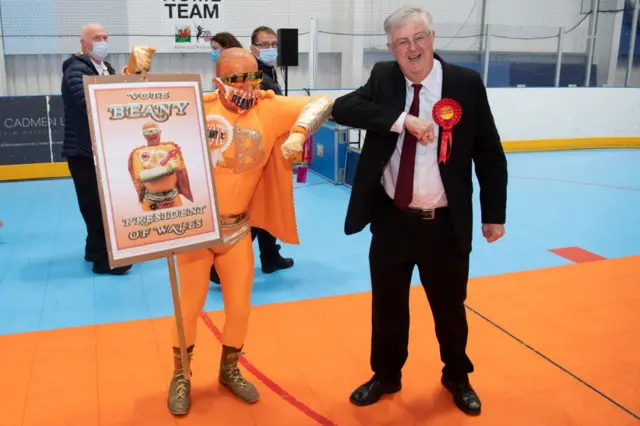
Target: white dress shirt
{"x": 100, "y": 67}
{"x": 428, "y": 191}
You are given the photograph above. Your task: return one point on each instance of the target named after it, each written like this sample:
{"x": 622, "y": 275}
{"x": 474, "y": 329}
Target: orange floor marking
{"x": 576, "y": 254}
{"x": 581, "y": 317}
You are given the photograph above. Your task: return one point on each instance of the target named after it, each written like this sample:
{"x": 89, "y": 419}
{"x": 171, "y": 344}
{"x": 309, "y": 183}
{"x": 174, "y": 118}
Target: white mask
{"x": 100, "y": 50}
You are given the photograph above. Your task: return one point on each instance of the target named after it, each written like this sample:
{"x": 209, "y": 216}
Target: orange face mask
{"x": 240, "y": 92}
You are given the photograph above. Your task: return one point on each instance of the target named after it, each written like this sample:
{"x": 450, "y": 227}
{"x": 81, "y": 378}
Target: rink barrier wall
{"x": 528, "y": 119}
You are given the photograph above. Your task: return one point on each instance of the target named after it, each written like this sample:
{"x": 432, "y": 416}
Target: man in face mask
{"x": 77, "y": 140}
{"x": 264, "y": 45}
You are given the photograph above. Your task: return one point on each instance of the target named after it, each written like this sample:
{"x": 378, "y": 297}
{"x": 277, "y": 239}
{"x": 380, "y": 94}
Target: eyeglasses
{"x": 267, "y": 45}
{"x": 404, "y": 43}
{"x": 254, "y": 77}
{"x": 150, "y": 131}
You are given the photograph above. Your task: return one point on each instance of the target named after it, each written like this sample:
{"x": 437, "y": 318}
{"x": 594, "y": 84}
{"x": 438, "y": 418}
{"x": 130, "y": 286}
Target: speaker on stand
{"x": 287, "y": 52}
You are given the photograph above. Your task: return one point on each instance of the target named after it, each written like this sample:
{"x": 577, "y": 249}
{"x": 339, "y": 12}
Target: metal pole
{"x": 632, "y": 43}
{"x": 4, "y": 89}
{"x": 559, "y": 56}
{"x": 485, "y": 21}
{"x": 487, "y": 55}
{"x": 593, "y": 26}
{"x": 487, "y": 47}
{"x": 313, "y": 53}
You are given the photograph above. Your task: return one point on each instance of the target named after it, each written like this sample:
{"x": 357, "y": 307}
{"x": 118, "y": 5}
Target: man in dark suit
{"x": 77, "y": 141}
{"x": 419, "y": 205}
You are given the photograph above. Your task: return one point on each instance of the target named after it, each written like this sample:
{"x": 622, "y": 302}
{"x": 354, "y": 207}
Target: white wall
{"x": 40, "y": 34}
{"x": 530, "y": 114}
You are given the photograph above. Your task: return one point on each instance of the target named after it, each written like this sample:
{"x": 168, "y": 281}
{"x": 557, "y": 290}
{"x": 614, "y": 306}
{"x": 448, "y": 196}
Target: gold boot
{"x": 231, "y": 378}
{"x": 180, "y": 387}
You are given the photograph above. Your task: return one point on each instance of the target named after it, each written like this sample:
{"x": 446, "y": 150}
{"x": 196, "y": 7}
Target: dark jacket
{"x": 77, "y": 137}
{"x": 475, "y": 139}
{"x": 269, "y": 78}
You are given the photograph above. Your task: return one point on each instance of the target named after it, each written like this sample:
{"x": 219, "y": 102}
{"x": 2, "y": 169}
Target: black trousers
{"x": 401, "y": 241}
{"x": 83, "y": 173}
{"x": 266, "y": 243}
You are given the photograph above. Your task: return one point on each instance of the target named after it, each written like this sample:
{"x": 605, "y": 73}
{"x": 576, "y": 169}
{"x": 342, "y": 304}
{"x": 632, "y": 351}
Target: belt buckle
{"x": 428, "y": 214}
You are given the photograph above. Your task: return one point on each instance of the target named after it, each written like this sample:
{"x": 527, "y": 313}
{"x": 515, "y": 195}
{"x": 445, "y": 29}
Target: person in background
{"x": 77, "y": 141}
{"x": 264, "y": 45}
{"x": 270, "y": 257}
{"x": 221, "y": 41}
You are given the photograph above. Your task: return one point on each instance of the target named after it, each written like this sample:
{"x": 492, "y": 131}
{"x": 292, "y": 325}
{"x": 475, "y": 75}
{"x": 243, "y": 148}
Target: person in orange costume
{"x": 253, "y": 136}
{"x": 158, "y": 171}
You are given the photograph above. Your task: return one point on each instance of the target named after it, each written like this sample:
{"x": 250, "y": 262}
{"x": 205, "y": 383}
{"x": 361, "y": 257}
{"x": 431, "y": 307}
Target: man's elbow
{"x": 340, "y": 111}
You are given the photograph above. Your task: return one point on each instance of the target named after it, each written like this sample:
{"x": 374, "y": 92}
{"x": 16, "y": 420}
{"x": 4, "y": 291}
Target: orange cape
{"x": 272, "y": 207}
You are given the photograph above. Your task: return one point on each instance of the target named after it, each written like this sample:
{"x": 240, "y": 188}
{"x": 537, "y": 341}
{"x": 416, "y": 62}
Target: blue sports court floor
{"x": 587, "y": 200}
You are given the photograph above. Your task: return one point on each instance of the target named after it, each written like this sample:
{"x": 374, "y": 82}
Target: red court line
{"x": 576, "y": 254}
{"x": 624, "y": 188}
{"x": 273, "y": 386}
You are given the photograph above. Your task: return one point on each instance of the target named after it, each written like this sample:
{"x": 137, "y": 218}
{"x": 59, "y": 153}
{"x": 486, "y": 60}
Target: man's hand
{"x": 423, "y": 130}
{"x": 492, "y": 232}
{"x": 293, "y": 145}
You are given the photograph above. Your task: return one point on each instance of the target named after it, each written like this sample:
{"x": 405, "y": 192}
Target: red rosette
{"x": 446, "y": 113}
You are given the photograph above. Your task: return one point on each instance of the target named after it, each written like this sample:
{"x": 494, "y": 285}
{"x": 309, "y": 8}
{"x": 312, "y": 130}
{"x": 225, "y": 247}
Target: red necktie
{"x": 404, "y": 184}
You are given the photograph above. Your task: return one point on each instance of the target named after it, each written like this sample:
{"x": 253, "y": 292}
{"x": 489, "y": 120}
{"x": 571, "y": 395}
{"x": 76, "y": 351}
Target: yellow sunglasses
{"x": 254, "y": 77}
{"x": 151, "y": 130}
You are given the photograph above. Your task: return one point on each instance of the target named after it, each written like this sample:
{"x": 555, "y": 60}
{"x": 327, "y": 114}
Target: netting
{"x": 528, "y": 30}
{"x": 157, "y": 18}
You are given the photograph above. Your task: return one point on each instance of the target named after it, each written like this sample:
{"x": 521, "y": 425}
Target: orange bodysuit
{"x": 254, "y": 186}
{"x": 253, "y": 138}
{"x": 159, "y": 176}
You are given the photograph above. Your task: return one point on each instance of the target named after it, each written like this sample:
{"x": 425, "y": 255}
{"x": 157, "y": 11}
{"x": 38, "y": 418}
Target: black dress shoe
{"x": 271, "y": 264}
{"x": 371, "y": 392}
{"x": 464, "y": 396}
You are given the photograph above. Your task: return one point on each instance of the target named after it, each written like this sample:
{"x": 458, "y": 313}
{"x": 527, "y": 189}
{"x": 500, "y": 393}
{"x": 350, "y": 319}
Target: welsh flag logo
{"x": 183, "y": 35}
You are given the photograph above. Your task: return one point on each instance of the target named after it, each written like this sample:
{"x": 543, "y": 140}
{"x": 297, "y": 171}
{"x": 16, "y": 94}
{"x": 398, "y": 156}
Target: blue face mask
{"x": 214, "y": 55}
{"x": 269, "y": 56}
{"x": 100, "y": 50}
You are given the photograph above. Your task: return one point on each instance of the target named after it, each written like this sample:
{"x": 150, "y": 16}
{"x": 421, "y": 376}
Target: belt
{"x": 160, "y": 197}
{"x": 425, "y": 214}
{"x": 234, "y": 219}
{"x": 234, "y": 227}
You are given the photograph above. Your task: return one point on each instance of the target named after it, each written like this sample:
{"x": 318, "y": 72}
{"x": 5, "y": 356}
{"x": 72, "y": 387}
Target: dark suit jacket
{"x": 378, "y": 104}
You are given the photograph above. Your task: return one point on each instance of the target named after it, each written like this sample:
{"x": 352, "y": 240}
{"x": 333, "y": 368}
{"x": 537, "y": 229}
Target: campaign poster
{"x": 154, "y": 172}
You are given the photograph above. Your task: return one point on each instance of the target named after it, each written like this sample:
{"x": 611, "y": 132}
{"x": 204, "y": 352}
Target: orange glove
{"x": 293, "y": 145}
{"x": 140, "y": 60}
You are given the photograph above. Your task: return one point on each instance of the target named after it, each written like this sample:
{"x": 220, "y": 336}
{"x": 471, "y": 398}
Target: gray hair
{"x": 88, "y": 28}
{"x": 401, "y": 16}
